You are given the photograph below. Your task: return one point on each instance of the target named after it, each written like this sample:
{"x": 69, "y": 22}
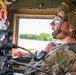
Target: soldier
{"x": 61, "y": 60}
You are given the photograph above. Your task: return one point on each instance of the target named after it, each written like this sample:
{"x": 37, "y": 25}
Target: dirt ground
{"x": 33, "y": 44}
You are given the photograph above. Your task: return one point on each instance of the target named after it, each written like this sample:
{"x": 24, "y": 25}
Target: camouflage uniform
{"x": 60, "y": 61}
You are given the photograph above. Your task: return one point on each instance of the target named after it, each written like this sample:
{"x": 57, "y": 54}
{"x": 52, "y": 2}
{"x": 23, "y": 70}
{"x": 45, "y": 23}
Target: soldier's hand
{"x": 20, "y": 53}
{"x": 50, "y": 47}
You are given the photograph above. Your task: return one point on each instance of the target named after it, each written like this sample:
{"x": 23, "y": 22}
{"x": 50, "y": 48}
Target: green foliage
{"x": 22, "y": 36}
{"x": 42, "y": 36}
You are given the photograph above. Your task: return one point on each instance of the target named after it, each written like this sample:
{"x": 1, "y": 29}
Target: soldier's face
{"x": 64, "y": 26}
{"x": 55, "y": 22}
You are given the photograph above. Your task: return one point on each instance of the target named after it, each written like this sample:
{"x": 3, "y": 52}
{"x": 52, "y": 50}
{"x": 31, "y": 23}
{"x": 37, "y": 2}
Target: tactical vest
{"x": 59, "y": 61}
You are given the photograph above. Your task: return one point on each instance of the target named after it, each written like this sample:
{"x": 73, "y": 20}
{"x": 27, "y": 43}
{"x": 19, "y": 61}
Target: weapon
{"x": 5, "y": 57}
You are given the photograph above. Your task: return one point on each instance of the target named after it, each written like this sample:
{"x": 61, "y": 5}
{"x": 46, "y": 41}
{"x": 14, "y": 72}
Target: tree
{"x": 41, "y": 36}
{"x": 44, "y": 36}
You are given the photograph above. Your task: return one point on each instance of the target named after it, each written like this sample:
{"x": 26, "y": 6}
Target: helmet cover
{"x": 70, "y": 11}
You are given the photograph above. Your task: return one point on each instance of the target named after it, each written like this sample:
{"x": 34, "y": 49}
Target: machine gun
{"x": 5, "y": 40}
{"x": 5, "y": 56}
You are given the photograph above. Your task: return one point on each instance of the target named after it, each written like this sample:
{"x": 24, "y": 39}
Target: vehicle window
{"x": 34, "y": 34}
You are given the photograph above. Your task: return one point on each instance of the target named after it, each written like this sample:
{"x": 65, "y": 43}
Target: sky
{"x": 34, "y": 26}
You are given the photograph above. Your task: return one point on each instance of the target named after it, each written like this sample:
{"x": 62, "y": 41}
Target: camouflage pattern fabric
{"x": 60, "y": 61}
{"x": 69, "y": 7}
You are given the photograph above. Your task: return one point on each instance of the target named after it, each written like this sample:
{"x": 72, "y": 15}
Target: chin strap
{"x": 58, "y": 29}
{"x": 66, "y": 33}
{"x": 55, "y": 33}
{"x": 72, "y": 35}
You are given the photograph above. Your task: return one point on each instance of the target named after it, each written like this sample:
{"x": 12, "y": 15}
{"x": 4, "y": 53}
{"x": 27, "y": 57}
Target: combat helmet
{"x": 69, "y": 9}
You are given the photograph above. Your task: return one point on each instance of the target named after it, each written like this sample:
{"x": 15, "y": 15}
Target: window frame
{"x": 27, "y": 13}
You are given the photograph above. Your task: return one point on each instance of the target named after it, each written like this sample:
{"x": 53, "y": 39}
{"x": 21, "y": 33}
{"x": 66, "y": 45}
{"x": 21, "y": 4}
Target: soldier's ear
{"x": 71, "y": 29}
